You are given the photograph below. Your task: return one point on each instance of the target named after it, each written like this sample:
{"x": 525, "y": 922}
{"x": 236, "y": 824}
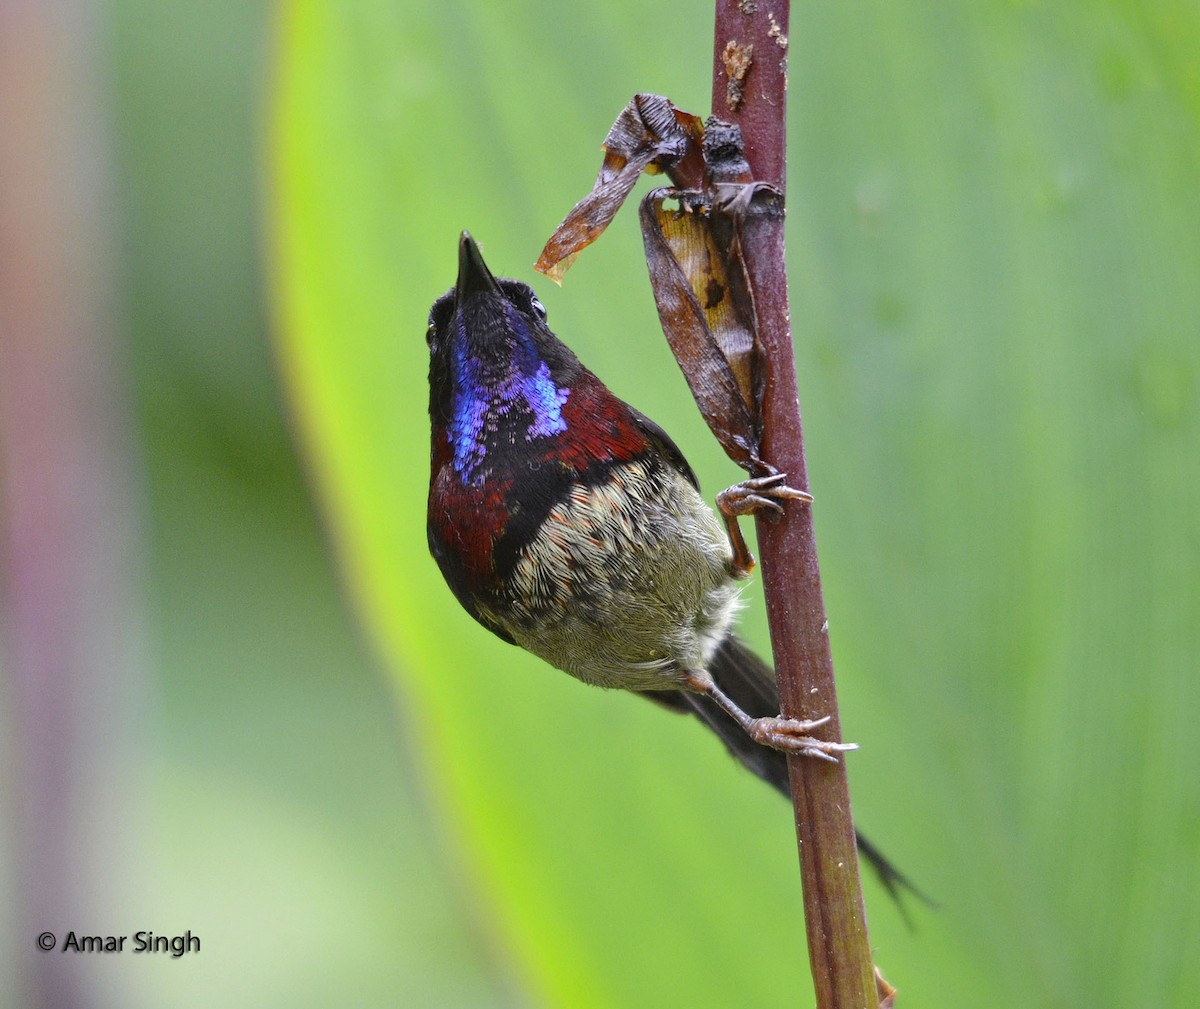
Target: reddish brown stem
{"x": 750, "y": 90}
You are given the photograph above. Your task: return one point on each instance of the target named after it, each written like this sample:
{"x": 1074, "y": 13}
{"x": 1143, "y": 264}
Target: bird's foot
{"x": 760, "y": 493}
{"x": 791, "y": 735}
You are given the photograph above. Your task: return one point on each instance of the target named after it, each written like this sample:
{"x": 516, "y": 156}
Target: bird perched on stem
{"x": 569, "y": 523}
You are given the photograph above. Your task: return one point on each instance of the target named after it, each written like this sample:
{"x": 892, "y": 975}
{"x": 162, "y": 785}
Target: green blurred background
{"x": 314, "y": 761}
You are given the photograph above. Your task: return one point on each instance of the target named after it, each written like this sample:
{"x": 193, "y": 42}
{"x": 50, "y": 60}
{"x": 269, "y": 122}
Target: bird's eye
{"x": 429, "y": 334}
{"x": 538, "y": 308}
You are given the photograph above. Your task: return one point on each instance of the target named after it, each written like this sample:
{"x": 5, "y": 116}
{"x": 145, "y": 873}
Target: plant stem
{"x": 69, "y": 653}
{"x": 751, "y": 40}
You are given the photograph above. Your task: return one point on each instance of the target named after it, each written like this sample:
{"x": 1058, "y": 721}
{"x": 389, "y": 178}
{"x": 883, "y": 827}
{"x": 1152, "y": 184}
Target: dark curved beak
{"x": 474, "y": 277}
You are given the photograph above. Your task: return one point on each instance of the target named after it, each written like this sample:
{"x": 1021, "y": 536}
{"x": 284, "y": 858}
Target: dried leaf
{"x": 701, "y": 308}
{"x": 650, "y": 133}
{"x": 694, "y": 254}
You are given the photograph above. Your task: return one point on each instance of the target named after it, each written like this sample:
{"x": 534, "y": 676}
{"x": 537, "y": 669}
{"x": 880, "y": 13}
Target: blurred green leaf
{"x": 265, "y": 798}
{"x": 995, "y": 253}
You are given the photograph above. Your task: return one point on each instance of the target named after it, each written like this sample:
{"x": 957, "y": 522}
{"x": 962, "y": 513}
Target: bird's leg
{"x": 791, "y": 735}
{"x": 756, "y": 494}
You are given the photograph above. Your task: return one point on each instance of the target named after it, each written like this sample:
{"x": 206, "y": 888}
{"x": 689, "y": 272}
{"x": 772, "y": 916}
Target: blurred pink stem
{"x": 65, "y": 515}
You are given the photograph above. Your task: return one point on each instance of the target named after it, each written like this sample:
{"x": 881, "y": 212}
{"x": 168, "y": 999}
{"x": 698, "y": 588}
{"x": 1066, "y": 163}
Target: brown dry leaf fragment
{"x": 700, "y": 306}
{"x": 737, "y": 59}
{"x": 650, "y": 133}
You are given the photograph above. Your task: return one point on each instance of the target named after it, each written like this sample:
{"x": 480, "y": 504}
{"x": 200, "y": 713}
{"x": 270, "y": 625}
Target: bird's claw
{"x": 791, "y": 735}
{"x": 757, "y": 494}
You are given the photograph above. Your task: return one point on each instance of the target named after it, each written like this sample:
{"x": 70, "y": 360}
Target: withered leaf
{"x": 701, "y": 305}
{"x": 694, "y": 254}
{"x": 649, "y": 134}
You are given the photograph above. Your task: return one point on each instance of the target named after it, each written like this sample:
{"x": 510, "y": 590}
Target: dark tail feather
{"x": 750, "y": 683}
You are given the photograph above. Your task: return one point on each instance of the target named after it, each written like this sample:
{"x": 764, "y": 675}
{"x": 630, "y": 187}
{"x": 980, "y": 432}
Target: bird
{"x": 567, "y": 522}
